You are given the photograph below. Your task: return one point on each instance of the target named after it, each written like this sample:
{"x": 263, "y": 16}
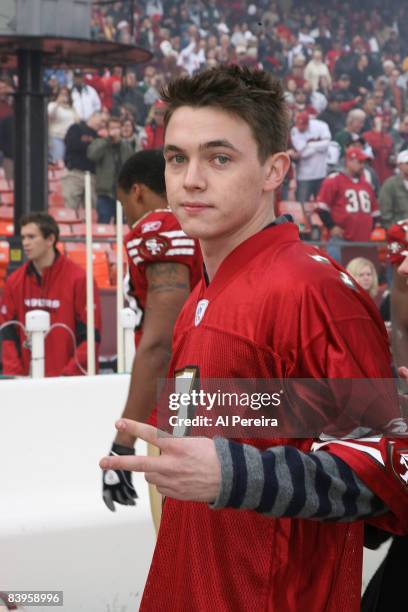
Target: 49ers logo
{"x": 153, "y": 247}
{"x": 400, "y": 464}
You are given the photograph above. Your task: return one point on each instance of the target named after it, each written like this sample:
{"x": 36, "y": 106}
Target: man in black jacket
{"x": 77, "y": 139}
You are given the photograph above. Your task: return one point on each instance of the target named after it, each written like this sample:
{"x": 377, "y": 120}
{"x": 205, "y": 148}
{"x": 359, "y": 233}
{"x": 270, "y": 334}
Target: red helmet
{"x": 397, "y": 238}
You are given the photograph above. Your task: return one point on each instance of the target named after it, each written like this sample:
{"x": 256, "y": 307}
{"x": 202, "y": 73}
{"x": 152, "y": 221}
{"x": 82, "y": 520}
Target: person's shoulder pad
{"x": 158, "y": 237}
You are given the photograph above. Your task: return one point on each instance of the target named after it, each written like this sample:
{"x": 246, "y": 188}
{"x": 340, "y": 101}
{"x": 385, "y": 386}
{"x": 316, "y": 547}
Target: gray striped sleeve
{"x": 285, "y": 482}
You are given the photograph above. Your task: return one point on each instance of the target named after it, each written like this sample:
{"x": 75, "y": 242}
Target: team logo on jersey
{"x": 200, "y": 311}
{"x": 151, "y": 226}
{"x": 347, "y": 281}
{"x": 400, "y": 464}
{"x": 320, "y": 259}
{"x": 153, "y": 247}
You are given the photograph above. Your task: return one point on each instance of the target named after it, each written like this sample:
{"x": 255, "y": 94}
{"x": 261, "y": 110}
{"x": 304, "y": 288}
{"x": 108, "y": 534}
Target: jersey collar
{"x": 271, "y": 238}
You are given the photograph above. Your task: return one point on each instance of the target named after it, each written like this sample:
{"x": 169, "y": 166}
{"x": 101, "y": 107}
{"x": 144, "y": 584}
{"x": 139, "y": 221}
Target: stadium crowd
{"x": 345, "y": 67}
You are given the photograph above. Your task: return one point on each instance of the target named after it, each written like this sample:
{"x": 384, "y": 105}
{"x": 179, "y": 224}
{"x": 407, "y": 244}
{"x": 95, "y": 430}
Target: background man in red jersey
{"x": 164, "y": 265}
{"x": 52, "y": 282}
{"x": 269, "y": 307}
{"x": 347, "y": 204}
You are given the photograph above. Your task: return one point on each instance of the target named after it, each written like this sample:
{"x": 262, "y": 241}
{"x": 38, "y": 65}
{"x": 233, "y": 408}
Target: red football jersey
{"x": 157, "y": 238}
{"x": 277, "y": 308}
{"x": 352, "y": 204}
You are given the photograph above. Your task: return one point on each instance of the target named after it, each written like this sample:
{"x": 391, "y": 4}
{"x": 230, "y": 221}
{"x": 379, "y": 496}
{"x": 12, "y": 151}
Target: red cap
{"x": 397, "y": 238}
{"x": 302, "y": 118}
{"x": 159, "y": 104}
{"x": 356, "y": 153}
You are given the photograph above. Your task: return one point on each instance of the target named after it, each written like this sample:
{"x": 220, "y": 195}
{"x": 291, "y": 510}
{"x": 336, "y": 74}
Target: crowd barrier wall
{"x": 55, "y": 531}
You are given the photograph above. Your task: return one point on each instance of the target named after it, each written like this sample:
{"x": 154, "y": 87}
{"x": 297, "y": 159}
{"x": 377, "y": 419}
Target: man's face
{"x": 355, "y": 166}
{"x": 35, "y": 246}
{"x": 214, "y": 180}
{"x": 403, "y": 168}
{"x": 131, "y": 205}
{"x": 114, "y": 130}
{"x": 357, "y": 125}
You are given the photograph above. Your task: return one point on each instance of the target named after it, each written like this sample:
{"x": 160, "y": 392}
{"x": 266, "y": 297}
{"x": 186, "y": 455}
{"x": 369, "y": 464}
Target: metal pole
{"x": 119, "y": 287}
{"x": 90, "y": 315}
{"x": 31, "y": 141}
{"x": 128, "y": 323}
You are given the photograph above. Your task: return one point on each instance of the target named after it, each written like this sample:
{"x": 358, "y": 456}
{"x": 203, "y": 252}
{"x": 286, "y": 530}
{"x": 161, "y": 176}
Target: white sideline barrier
{"x": 55, "y": 531}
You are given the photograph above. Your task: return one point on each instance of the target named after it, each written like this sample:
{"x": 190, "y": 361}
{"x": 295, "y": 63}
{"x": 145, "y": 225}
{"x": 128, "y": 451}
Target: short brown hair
{"x": 253, "y": 95}
{"x": 46, "y": 224}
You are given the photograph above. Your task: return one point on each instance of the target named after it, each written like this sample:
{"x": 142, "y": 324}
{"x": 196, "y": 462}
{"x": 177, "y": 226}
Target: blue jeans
{"x": 334, "y": 247}
{"x": 106, "y": 209}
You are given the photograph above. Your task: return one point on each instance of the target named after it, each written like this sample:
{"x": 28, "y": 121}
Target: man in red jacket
{"x": 47, "y": 281}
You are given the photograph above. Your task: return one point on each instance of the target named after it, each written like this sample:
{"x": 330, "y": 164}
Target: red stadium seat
{"x": 6, "y": 213}
{"x": 63, "y": 215}
{"x": 74, "y": 246}
{"x": 101, "y": 247}
{"x": 105, "y": 230}
{"x": 81, "y": 215}
{"x": 100, "y": 266}
{"x": 65, "y": 229}
{"x": 6, "y": 228}
{"x": 56, "y": 199}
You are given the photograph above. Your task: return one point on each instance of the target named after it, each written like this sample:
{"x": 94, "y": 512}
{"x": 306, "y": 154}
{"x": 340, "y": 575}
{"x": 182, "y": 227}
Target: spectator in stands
{"x": 130, "y": 94}
{"x": 316, "y": 69}
{"x": 6, "y": 106}
{"x": 364, "y": 272}
{"x": 108, "y": 154}
{"x": 6, "y": 129}
{"x": 61, "y": 115}
{"x": 7, "y": 145}
{"x": 311, "y": 139}
{"x": 380, "y": 140}
{"x": 133, "y": 134}
{"x": 332, "y": 115}
{"x": 400, "y": 136}
{"x": 393, "y": 196}
{"x": 351, "y": 133}
{"x": 347, "y": 204}
{"x": 85, "y": 99}
{"x": 77, "y": 139}
{"x": 155, "y": 127}
{"x": 361, "y": 76}
{"x": 52, "y": 282}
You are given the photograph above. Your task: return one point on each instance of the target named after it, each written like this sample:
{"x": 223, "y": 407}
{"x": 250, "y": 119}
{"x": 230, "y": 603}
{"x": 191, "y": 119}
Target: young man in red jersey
{"x": 52, "y": 282}
{"x": 272, "y": 524}
{"x": 164, "y": 265}
{"x": 347, "y": 203}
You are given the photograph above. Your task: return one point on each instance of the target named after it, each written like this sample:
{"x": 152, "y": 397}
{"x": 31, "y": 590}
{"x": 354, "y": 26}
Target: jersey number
{"x": 185, "y": 381}
{"x": 357, "y": 200}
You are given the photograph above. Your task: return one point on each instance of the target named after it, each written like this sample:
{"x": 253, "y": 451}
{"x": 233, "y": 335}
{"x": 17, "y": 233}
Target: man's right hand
{"x": 117, "y": 484}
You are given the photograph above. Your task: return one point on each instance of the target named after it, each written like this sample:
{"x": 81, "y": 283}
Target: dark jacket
{"x": 77, "y": 140}
{"x": 108, "y": 158}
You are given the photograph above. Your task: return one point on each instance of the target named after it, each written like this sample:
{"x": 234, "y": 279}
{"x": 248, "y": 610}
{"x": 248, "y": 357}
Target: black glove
{"x": 117, "y": 484}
